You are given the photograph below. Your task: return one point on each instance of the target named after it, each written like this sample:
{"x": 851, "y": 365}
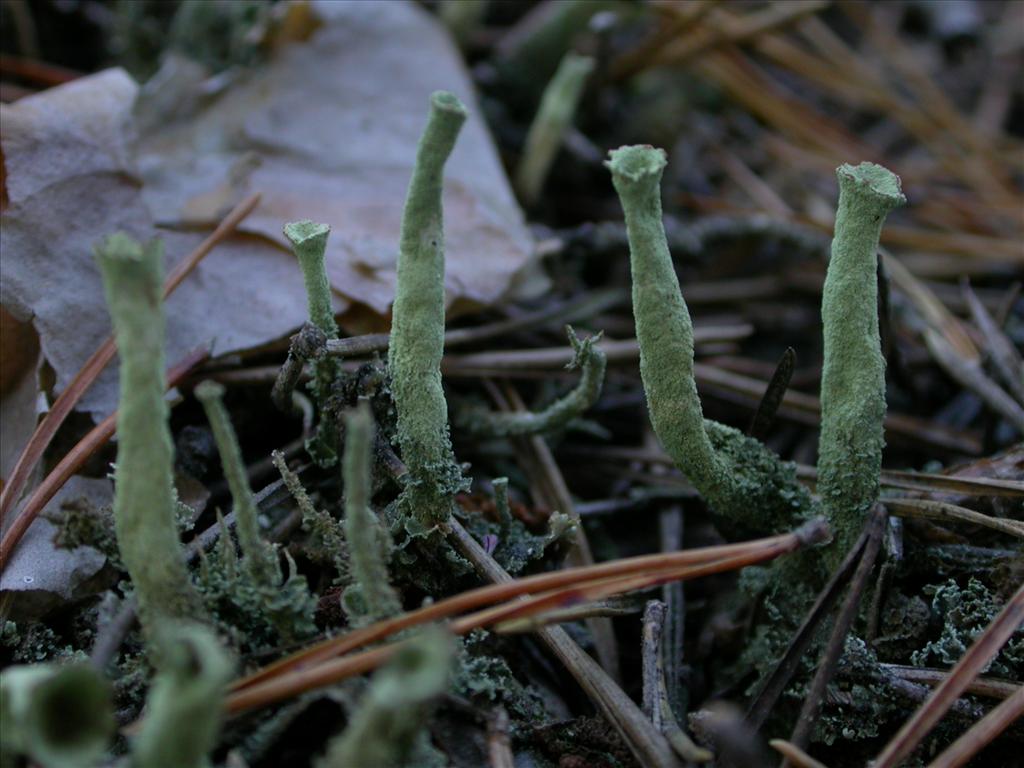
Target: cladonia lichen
{"x": 853, "y": 376}
{"x": 385, "y": 729}
{"x": 553, "y": 118}
{"x": 144, "y": 501}
{"x": 261, "y": 569}
{"x": 57, "y": 715}
{"x": 417, "y": 329}
{"x": 309, "y": 242}
{"x": 258, "y": 557}
{"x": 370, "y": 598}
{"x": 184, "y": 706}
{"x": 588, "y": 357}
{"x": 740, "y": 478}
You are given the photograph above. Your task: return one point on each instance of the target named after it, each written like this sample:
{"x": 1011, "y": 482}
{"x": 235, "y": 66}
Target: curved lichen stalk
{"x": 740, "y": 478}
{"x": 144, "y": 499}
{"x": 853, "y": 377}
{"x": 417, "y": 328}
{"x": 588, "y": 357}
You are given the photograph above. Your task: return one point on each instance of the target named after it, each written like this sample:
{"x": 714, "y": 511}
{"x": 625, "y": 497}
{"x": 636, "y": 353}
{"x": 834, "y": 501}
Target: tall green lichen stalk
{"x": 390, "y": 719}
{"x": 144, "y": 501}
{"x": 417, "y": 329}
{"x": 557, "y": 108}
{"x": 853, "y": 377}
{"x": 368, "y": 541}
{"x": 740, "y": 478}
{"x": 258, "y": 556}
{"x": 185, "y": 704}
{"x": 288, "y": 606}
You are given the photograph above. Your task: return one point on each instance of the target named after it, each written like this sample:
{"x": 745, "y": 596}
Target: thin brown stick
{"x": 981, "y": 652}
{"x": 989, "y": 687}
{"x": 794, "y": 755}
{"x": 968, "y": 373}
{"x": 332, "y": 671}
{"x": 76, "y": 458}
{"x": 495, "y": 593}
{"x": 580, "y": 553}
{"x": 1004, "y": 355}
{"x": 99, "y": 359}
{"x": 771, "y": 691}
{"x": 982, "y": 732}
{"x": 945, "y": 512}
{"x": 915, "y": 481}
{"x": 844, "y": 620}
{"x": 378, "y": 342}
{"x": 499, "y": 744}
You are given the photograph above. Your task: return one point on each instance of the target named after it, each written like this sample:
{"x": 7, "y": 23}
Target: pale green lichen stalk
{"x": 144, "y": 501}
{"x": 309, "y": 242}
{"x": 56, "y": 715}
{"x": 592, "y": 362}
{"x": 258, "y": 556}
{"x": 853, "y": 377}
{"x": 557, "y": 107}
{"x": 417, "y": 328}
{"x": 289, "y": 606}
{"x": 185, "y": 704}
{"x": 368, "y": 541}
{"x": 739, "y": 477}
{"x": 390, "y": 719}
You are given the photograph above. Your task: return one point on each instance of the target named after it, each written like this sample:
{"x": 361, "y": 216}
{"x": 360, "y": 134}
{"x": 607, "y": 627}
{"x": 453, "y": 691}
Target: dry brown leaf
{"x": 327, "y": 130}
{"x": 71, "y": 181}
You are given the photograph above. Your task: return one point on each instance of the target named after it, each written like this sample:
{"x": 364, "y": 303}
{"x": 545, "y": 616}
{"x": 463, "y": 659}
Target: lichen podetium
{"x": 184, "y": 707}
{"x": 592, "y": 362}
{"x": 144, "y": 501}
{"x": 853, "y": 377}
{"x": 309, "y": 243}
{"x": 417, "y": 329}
{"x": 368, "y": 541}
{"x": 258, "y": 556}
{"x": 392, "y": 714}
{"x": 740, "y": 478}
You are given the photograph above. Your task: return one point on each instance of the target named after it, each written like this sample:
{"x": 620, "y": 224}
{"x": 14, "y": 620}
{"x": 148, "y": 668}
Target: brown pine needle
{"x": 99, "y": 359}
{"x": 794, "y": 755}
{"x": 283, "y": 679}
{"x": 983, "y": 650}
{"x": 982, "y": 732}
{"x": 495, "y": 593}
{"x": 76, "y": 457}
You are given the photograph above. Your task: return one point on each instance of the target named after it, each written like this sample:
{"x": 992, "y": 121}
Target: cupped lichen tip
{"x": 449, "y": 102}
{"x": 302, "y": 232}
{"x": 874, "y": 179}
{"x": 635, "y": 162}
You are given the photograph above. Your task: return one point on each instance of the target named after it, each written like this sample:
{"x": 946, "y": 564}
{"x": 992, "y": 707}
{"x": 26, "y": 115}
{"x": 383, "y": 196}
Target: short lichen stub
{"x": 853, "y": 377}
{"x": 729, "y": 472}
{"x": 144, "y": 503}
{"x": 417, "y": 327}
